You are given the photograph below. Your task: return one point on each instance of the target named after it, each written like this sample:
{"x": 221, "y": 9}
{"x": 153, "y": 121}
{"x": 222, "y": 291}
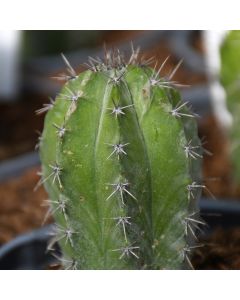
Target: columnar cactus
{"x": 121, "y": 163}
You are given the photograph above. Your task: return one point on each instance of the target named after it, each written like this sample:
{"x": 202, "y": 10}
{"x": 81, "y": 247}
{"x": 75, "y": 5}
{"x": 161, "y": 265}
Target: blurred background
{"x": 29, "y": 61}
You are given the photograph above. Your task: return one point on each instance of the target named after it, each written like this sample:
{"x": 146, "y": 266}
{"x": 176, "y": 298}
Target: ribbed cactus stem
{"x": 121, "y": 163}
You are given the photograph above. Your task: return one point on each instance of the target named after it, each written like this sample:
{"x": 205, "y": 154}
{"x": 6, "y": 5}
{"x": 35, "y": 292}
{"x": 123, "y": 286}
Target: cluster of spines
{"x": 115, "y": 61}
{"x": 121, "y": 188}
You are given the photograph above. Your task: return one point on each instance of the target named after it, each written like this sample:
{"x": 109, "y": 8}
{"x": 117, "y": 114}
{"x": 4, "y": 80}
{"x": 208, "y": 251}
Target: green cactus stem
{"x": 230, "y": 78}
{"x": 121, "y": 163}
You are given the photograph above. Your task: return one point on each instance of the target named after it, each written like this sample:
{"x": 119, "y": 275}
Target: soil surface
{"x": 217, "y": 168}
{"x": 19, "y": 125}
{"x": 220, "y": 251}
{"x": 21, "y": 209}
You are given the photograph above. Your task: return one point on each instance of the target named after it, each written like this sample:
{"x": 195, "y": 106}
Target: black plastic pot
{"x": 223, "y": 213}
{"x": 27, "y": 251}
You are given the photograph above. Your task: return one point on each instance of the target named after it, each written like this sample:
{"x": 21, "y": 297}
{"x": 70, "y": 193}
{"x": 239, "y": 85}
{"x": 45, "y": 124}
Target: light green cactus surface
{"x": 121, "y": 163}
{"x": 230, "y": 77}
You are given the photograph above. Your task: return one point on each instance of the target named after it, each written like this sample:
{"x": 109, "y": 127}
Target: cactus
{"x": 121, "y": 163}
{"x": 230, "y": 78}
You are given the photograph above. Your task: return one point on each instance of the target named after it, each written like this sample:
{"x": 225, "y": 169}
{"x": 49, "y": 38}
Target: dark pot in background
{"x": 27, "y": 251}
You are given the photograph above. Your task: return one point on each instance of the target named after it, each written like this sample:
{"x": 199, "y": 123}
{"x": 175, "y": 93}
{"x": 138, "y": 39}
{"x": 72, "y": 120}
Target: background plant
{"x": 230, "y": 77}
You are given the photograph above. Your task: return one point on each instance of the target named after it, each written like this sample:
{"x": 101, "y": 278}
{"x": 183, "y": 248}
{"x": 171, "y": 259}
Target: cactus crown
{"x": 121, "y": 162}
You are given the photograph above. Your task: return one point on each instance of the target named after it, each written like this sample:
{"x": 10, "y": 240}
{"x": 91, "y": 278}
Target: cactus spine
{"x": 121, "y": 163}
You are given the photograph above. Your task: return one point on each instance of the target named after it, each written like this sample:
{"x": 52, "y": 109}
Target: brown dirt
{"x": 19, "y": 125}
{"x": 21, "y": 209}
{"x": 111, "y": 37}
{"x": 217, "y": 168}
{"x": 220, "y": 251}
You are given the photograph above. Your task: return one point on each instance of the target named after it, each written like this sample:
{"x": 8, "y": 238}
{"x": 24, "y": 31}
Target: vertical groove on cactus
{"x": 121, "y": 163}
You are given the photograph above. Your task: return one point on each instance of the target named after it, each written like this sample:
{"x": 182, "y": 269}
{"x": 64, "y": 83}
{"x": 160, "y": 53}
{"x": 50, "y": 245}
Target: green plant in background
{"x": 230, "y": 78}
{"x": 121, "y": 162}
